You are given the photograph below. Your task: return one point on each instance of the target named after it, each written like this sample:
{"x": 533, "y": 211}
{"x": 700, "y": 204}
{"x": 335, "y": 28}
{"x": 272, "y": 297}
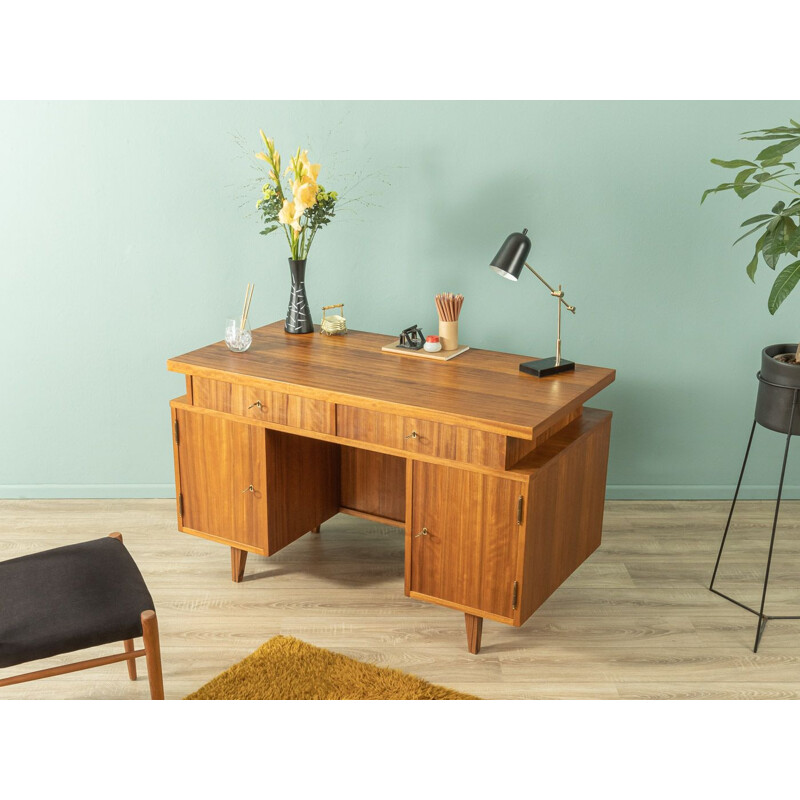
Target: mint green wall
{"x": 128, "y": 234}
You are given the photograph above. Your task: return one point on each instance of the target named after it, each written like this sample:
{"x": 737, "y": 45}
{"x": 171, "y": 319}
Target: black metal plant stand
{"x": 762, "y": 617}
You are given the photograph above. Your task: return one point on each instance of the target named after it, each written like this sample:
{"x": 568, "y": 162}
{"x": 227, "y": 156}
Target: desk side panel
{"x": 566, "y": 498}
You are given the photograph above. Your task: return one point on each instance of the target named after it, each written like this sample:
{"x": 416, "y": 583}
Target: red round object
{"x": 431, "y": 338}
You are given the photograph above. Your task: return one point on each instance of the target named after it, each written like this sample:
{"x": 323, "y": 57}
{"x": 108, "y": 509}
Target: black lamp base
{"x": 546, "y": 366}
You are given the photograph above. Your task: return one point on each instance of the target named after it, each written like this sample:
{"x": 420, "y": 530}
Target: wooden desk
{"x": 496, "y": 477}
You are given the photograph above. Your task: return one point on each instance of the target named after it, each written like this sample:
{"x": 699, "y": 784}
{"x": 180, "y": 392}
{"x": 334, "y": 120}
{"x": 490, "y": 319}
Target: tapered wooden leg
{"x": 152, "y": 654}
{"x": 315, "y": 530}
{"x": 128, "y": 644}
{"x": 238, "y": 560}
{"x": 474, "y": 630}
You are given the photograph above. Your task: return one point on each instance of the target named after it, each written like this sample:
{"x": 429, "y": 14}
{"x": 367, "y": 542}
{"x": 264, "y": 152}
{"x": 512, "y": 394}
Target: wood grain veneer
{"x": 565, "y": 516}
{"x": 262, "y": 404}
{"x": 421, "y": 437}
{"x": 464, "y": 538}
{"x": 218, "y": 461}
{"x": 302, "y": 486}
{"x": 480, "y": 389}
{"x": 373, "y": 483}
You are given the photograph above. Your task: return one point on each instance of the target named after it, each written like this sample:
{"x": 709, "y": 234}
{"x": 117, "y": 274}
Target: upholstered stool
{"x": 74, "y": 597}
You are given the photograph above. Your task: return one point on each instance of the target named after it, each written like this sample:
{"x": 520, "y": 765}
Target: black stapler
{"x": 411, "y": 338}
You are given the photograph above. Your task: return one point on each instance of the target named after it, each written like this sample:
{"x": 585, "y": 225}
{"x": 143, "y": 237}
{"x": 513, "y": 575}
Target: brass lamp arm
{"x": 555, "y": 292}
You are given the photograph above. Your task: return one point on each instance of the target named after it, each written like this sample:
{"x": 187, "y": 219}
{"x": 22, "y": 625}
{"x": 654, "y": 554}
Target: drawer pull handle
{"x": 423, "y": 532}
{"x": 248, "y": 489}
{"x": 412, "y": 435}
{"x": 257, "y": 404}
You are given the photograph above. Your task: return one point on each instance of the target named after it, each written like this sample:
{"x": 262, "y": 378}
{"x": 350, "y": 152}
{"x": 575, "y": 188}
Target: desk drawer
{"x": 250, "y": 401}
{"x": 424, "y": 437}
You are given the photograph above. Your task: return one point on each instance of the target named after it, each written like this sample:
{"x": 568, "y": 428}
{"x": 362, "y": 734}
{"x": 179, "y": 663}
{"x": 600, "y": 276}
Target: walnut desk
{"x": 496, "y": 477}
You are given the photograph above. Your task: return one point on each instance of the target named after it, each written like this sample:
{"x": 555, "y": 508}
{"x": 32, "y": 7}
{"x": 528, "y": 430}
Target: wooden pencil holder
{"x": 448, "y": 334}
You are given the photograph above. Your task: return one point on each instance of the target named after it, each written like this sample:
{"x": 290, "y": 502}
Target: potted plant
{"x": 309, "y": 209}
{"x": 779, "y": 238}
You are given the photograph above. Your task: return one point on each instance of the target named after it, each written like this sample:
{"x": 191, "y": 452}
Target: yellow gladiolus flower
{"x": 290, "y": 215}
{"x": 305, "y": 193}
{"x": 263, "y": 157}
{"x": 309, "y": 170}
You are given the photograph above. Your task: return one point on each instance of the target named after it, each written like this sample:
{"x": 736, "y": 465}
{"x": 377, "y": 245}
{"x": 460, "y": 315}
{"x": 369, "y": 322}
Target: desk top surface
{"x": 482, "y": 389}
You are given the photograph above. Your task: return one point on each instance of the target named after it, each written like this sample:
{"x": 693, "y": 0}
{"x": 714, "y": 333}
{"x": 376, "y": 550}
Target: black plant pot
{"x": 774, "y": 403}
{"x": 298, "y": 317}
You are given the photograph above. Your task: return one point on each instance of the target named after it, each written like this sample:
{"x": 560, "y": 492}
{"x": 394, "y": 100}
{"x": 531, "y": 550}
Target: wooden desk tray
{"x": 442, "y": 355}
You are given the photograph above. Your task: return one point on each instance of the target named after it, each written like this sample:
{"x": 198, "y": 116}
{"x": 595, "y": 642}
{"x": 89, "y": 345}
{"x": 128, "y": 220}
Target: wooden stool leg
{"x": 315, "y": 530}
{"x": 238, "y": 560}
{"x": 152, "y": 655}
{"x": 474, "y": 630}
{"x": 128, "y": 644}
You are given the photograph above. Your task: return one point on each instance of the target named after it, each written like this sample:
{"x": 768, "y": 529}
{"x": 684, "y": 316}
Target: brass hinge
{"x": 177, "y": 437}
{"x": 180, "y": 505}
{"x": 519, "y": 511}
{"x": 514, "y": 595}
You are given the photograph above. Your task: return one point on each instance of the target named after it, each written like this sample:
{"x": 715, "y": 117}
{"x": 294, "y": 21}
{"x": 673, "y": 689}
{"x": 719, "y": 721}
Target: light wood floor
{"x": 635, "y": 621}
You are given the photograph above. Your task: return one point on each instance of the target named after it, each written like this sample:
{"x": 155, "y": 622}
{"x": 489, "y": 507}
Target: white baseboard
{"x": 122, "y": 491}
{"x": 666, "y": 492}
{"x": 86, "y": 491}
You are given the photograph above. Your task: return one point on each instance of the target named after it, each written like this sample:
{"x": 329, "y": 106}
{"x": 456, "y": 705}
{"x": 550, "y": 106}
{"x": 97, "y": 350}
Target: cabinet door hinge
{"x": 514, "y": 595}
{"x": 519, "y": 510}
{"x": 175, "y": 428}
{"x": 180, "y": 505}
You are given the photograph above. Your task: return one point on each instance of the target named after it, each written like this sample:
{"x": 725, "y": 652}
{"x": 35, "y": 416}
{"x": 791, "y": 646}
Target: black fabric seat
{"x": 69, "y": 598}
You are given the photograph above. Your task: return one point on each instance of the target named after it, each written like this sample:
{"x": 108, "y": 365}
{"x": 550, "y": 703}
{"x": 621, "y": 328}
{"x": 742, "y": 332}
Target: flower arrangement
{"x": 310, "y": 208}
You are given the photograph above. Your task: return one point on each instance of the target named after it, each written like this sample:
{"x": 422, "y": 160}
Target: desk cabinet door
{"x": 468, "y": 554}
{"x": 218, "y": 461}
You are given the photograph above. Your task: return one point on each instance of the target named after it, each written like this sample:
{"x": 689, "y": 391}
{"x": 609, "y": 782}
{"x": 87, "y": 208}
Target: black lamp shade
{"x": 511, "y": 256}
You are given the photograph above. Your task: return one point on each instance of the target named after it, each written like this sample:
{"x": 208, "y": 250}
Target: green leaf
{"x": 780, "y": 150}
{"x": 752, "y": 267}
{"x": 796, "y": 124}
{"x": 759, "y": 247}
{"x": 772, "y": 136}
{"x": 778, "y": 207}
{"x": 721, "y": 188}
{"x": 771, "y": 162}
{"x": 746, "y": 189}
{"x": 752, "y": 230}
{"x": 735, "y": 164}
{"x": 780, "y": 129}
{"x": 759, "y": 218}
{"x": 783, "y": 285}
{"x": 773, "y": 248}
{"x": 791, "y": 237}
{"x": 269, "y": 229}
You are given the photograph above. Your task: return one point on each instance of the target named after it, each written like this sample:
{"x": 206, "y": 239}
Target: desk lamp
{"x": 508, "y": 262}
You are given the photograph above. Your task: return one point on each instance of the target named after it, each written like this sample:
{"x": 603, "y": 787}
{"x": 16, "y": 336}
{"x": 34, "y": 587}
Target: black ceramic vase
{"x": 776, "y": 390}
{"x": 298, "y": 317}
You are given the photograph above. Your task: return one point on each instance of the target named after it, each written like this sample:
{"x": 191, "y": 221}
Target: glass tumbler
{"x": 238, "y": 338}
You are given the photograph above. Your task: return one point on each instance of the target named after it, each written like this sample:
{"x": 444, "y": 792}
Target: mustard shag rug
{"x": 284, "y": 668}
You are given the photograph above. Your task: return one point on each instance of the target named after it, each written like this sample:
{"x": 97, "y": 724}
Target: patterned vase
{"x": 298, "y": 317}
